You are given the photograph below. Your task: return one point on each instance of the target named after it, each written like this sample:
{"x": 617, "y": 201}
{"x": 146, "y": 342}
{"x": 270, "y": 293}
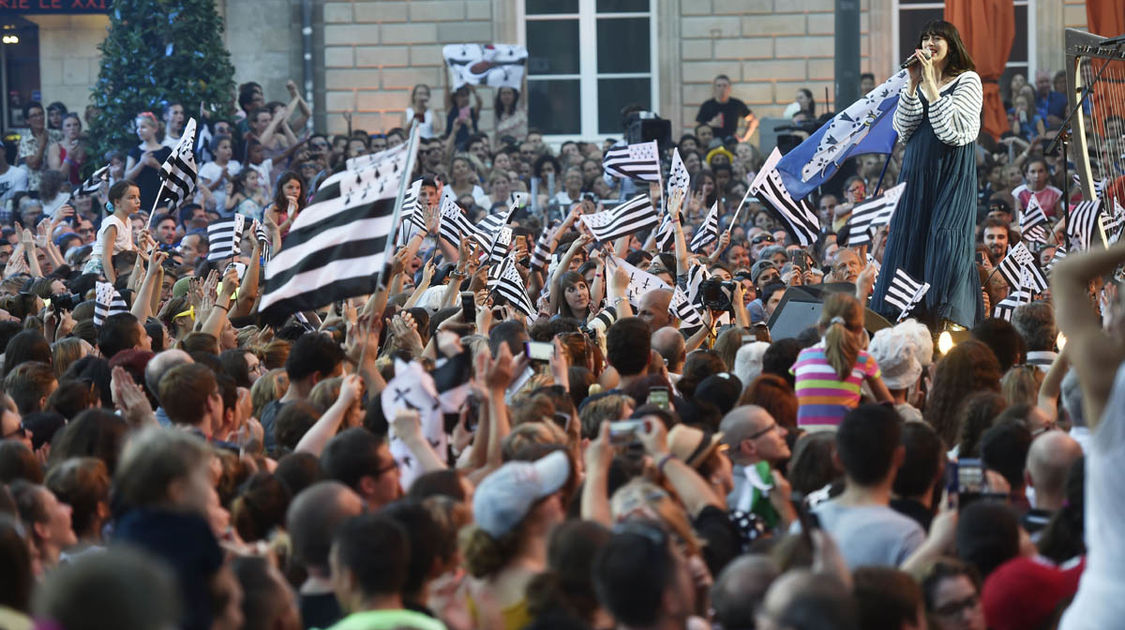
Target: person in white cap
{"x": 896, "y": 351}
{"x": 515, "y": 509}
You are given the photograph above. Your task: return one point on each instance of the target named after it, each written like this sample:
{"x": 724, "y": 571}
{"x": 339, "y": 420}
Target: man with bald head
{"x": 155, "y": 370}
{"x": 1049, "y": 460}
{"x": 313, "y": 518}
{"x": 670, "y": 344}
{"x": 756, "y": 444}
{"x": 741, "y": 588}
{"x": 654, "y": 308}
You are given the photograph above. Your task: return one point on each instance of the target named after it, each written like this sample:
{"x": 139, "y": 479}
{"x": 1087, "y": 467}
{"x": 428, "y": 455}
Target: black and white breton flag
{"x": 412, "y": 218}
{"x": 708, "y": 231}
{"x": 501, "y": 243}
{"x": 1084, "y": 224}
{"x": 262, "y": 235}
{"x": 1033, "y": 222}
{"x": 107, "y": 301}
{"x": 508, "y": 283}
{"x": 873, "y": 214}
{"x": 1006, "y": 307}
{"x": 665, "y": 236}
{"x": 905, "y": 292}
{"x": 678, "y": 178}
{"x": 224, "y": 237}
{"x": 1111, "y": 226}
{"x": 94, "y": 182}
{"x": 1020, "y": 271}
{"x": 454, "y": 225}
{"x": 541, "y": 255}
{"x": 179, "y": 171}
{"x": 636, "y": 215}
{"x": 336, "y": 248}
{"x": 798, "y": 217}
{"x": 634, "y": 161}
{"x": 696, "y": 274}
{"x": 684, "y": 310}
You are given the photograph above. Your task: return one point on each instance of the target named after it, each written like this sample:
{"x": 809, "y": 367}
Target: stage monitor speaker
{"x": 800, "y": 308}
{"x": 646, "y": 129}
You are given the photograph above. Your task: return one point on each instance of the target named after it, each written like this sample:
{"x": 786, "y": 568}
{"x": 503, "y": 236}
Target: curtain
{"x": 1106, "y": 17}
{"x": 988, "y": 28}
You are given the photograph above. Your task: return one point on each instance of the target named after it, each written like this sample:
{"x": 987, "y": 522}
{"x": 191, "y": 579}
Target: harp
{"x": 1098, "y": 123}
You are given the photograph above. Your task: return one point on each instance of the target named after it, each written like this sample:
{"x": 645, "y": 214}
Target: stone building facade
{"x": 367, "y": 54}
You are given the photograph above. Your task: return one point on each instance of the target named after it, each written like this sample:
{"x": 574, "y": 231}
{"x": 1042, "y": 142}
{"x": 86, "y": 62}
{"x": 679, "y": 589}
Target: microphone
{"x": 910, "y": 61}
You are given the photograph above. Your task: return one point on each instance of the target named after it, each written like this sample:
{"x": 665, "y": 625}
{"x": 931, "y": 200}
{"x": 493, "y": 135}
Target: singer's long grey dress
{"x": 931, "y": 232}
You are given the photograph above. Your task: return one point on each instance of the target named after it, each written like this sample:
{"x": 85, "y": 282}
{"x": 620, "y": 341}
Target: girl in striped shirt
{"x": 830, "y": 374}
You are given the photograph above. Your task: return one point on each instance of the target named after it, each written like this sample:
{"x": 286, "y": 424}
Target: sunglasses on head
{"x": 763, "y": 238}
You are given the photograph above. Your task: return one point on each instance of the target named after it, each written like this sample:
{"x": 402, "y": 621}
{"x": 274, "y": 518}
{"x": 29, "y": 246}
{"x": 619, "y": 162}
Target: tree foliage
{"x": 159, "y": 52}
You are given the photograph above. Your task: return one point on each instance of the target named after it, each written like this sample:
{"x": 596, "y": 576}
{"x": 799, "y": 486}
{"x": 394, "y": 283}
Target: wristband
{"x": 663, "y": 460}
{"x": 225, "y": 308}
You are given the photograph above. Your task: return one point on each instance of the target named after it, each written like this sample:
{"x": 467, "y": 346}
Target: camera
{"x": 64, "y": 301}
{"x": 716, "y": 294}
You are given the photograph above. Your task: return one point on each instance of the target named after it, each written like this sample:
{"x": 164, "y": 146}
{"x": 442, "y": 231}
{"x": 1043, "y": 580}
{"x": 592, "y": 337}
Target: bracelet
{"x": 663, "y": 460}
{"x": 225, "y": 308}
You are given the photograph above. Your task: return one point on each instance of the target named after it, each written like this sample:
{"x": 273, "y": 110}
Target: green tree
{"x": 159, "y": 52}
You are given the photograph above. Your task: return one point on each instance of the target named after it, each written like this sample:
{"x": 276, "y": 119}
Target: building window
{"x": 914, "y": 14}
{"x": 19, "y": 75}
{"x": 588, "y": 59}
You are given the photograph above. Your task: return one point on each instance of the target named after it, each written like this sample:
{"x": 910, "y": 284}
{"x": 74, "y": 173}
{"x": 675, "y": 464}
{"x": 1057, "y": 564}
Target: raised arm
{"x": 313, "y": 441}
{"x": 1094, "y": 353}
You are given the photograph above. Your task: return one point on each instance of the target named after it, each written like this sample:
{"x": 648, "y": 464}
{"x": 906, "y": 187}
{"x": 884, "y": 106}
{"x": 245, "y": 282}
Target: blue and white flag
{"x": 864, "y": 127}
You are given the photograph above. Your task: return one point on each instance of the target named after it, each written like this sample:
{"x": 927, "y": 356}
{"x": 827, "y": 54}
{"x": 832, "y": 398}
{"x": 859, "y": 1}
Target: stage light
{"x": 10, "y": 39}
{"x": 945, "y": 342}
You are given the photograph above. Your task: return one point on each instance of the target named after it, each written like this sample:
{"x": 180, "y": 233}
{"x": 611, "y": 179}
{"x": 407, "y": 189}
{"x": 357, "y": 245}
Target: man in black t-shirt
{"x": 724, "y": 113}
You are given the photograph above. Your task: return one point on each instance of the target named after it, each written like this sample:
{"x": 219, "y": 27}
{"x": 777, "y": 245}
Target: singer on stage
{"x": 931, "y": 233}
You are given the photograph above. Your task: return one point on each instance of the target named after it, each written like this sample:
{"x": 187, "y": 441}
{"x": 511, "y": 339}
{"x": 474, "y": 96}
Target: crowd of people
{"x": 177, "y": 462}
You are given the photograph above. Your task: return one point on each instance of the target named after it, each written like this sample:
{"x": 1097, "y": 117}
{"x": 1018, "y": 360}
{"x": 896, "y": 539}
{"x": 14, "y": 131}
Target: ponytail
{"x": 841, "y": 346}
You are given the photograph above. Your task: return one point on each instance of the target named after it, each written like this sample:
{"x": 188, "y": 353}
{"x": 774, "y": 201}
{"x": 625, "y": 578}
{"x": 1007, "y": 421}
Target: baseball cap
{"x": 759, "y": 267}
{"x": 1024, "y": 592}
{"x": 505, "y": 497}
{"x": 894, "y": 352}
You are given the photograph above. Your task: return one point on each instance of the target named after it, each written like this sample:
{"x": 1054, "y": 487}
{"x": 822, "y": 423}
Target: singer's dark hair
{"x": 959, "y": 59}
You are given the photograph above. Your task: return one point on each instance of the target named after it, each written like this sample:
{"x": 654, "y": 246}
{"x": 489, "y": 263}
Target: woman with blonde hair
{"x": 269, "y": 387}
{"x": 66, "y": 351}
{"x": 829, "y": 375}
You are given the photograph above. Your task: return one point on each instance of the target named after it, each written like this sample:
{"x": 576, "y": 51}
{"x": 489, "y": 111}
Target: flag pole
{"x": 152, "y": 212}
{"x": 411, "y": 158}
{"x": 879, "y": 184}
{"x": 738, "y": 210}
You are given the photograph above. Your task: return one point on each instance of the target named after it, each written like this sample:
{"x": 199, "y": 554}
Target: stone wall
{"x": 68, "y": 57}
{"x": 375, "y": 51}
{"x": 769, "y": 49}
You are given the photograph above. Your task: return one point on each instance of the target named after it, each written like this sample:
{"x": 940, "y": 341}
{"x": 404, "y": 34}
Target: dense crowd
{"x": 428, "y": 457}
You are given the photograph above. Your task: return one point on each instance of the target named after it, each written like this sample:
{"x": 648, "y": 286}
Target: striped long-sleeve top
{"x": 955, "y": 116}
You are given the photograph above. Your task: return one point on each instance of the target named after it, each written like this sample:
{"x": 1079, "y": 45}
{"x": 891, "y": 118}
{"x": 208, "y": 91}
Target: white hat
{"x": 894, "y": 350}
{"x": 923, "y": 340}
{"x": 505, "y": 497}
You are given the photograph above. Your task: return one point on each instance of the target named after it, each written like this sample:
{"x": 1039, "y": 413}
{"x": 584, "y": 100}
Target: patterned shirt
{"x": 822, "y": 397}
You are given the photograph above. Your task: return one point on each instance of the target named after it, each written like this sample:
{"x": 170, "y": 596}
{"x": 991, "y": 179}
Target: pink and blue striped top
{"x": 822, "y": 397}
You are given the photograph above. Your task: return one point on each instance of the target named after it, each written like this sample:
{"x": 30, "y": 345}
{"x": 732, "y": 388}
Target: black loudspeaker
{"x": 800, "y": 308}
{"x": 646, "y": 129}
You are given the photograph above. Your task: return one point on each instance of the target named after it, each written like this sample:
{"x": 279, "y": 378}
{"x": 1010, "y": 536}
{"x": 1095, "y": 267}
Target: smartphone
{"x": 625, "y": 432}
{"x": 980, "y": 258}
{"x": 472, "y": 413}
{"x": 658, "y": 395}
{"x": 468, "y": 307}
{"x": 539, "y": 350}
{"x": 965, "y": 480}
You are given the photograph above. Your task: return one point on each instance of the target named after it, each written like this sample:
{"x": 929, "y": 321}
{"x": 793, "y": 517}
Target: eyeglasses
{"x": 772, "y": 426}
{"x": 20, "y": 431}
{"x": 379, "y": 472}
{"x": 952, "y": 609}
{"x": 763, "y": 238}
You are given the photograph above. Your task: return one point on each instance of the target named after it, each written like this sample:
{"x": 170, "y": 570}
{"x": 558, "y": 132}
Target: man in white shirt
{"x": 12, "y": 180}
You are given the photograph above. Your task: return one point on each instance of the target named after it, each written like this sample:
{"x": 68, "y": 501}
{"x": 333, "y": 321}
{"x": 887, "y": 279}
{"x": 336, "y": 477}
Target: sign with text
{"x": 59, "y": 7}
